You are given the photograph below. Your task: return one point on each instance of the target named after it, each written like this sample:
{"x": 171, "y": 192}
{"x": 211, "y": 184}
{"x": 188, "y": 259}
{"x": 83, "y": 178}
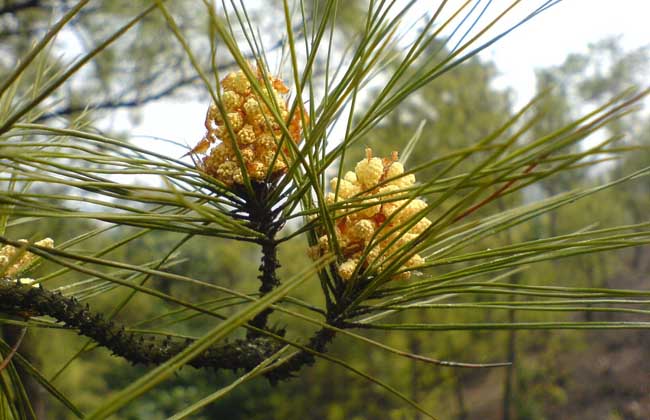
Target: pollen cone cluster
{"x": 14, "y": 260}
{"x": 375, "y": 188}
{"x": 256, "y": 131}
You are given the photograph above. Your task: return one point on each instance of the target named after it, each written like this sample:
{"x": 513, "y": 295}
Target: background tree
{"x": 472, "y": 158}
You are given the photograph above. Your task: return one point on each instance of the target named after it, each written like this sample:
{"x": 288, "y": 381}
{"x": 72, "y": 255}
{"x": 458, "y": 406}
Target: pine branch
{"x": 136, "y": 348}
{"x": 118, "y": 103}
{"x": 241, "y": 354}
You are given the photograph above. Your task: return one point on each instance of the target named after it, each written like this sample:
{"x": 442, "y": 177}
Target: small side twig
{"x": 496, "y": 194}
{"x": 14, "y": 349}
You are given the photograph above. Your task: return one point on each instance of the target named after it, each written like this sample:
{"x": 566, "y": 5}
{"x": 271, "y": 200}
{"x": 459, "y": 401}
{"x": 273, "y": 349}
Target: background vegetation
{"x": 558, "y": 371}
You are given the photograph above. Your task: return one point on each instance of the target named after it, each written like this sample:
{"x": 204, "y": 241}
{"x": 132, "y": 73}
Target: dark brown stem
{"x": 263, "y": 218}
{"x": 318, "y": 342}
{"x": 269, "y": 281}
{"x": 136, "y": 348}
{"x": 145, "y": 349}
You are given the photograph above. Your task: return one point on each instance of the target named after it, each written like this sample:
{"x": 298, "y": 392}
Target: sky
{"x": 568, "y": 27}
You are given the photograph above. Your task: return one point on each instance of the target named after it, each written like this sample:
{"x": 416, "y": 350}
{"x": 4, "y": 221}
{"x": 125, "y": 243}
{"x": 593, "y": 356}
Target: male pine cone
{"x": 248, "y": 124}
{"x": 376, "y": 224}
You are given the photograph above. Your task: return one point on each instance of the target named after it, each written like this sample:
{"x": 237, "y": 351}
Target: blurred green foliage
{"x": 459, "y": 109}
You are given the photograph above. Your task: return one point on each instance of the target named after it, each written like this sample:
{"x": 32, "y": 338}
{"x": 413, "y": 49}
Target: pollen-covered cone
{"x": 249, "y": 125}
{"x": 373, "y": 209}
{"x": 15, "y": 260}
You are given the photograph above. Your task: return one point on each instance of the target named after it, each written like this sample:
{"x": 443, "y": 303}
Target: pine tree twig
{"x": 240, "y": 354}
{"x": 136, "y": 348}
{"x": 262, "y": 217}
{"x": 13, "y": 350}
{"x": 498, "y": 193}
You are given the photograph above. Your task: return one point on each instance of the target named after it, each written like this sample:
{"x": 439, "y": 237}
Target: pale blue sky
{"x": 566, "y": 28}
